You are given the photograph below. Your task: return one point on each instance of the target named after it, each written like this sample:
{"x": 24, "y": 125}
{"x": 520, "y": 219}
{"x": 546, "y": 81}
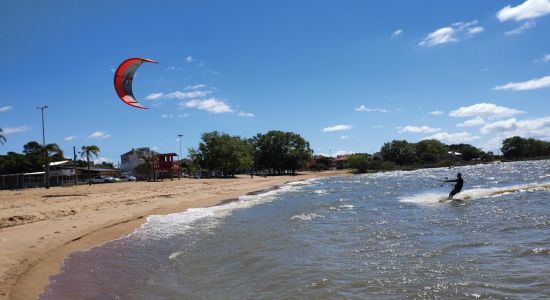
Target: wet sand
{"x": 39, "y": 227}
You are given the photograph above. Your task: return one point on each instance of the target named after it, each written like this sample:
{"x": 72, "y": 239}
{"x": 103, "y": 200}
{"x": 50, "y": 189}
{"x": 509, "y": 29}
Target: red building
{"x": 166, "y": 165}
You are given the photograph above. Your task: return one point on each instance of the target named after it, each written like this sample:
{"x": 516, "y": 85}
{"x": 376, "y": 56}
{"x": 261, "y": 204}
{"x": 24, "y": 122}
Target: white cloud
{"x": 102, "y": 159}
{"x": 475, "y": 30}
{"x": 397, "y": 32}
{"x": 245, "y": 114}
{"x": 167, "y": 116}
{"x": 472, "y": 122}
{"x": 453, "y": 138}
{"x": 178, "y": 95}
{"x": 484, "y": 110}
{"x": 70, "y": 138}
{"x": 525, "y": 26}
{"x": 364, "y": 108}
{"x": 500, "y": 130}
{"x": 344, "y": 137}
{"x": 530, "y": 9}
{"x": 10, "y": 130}
{"x": 453, "y": 33}
{"x": 172, "y": 68}
{"x": 5, "y": 108}
{"x": 196, "y": 87}
{"x": 337, "y": 128}
{"x": 437, "y": 113}
{"x": 419, "y": 129}
{"x": 546, "y": 58}
{"x": 189, "y": 59}
{"x": 527, "y": 128}
{"x": 99, "y": 135}
{"x": 184, "y": 115}
{"x": 440, "y": 36}
{"x": 532, "y": 84}
{"x": 154, "y": 96}
{"x": 212, "y": 105}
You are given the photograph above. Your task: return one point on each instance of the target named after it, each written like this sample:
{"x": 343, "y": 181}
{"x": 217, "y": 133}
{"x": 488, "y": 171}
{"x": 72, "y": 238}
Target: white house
{"x": 134, "y": 157}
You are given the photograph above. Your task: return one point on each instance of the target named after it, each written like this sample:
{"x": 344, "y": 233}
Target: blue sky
{"x": 346, "y": 75}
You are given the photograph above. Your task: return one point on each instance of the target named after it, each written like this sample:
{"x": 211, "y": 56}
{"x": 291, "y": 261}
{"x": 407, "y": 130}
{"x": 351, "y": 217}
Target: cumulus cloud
{"x": 344, "y": 137}
{"x": 453, "y": 138}
{"x": 70, "y": 138}
{"x": 452, "y": 33}
{"x": 397, "y": 32}
{"x": 366, "y": 109}
{"x": 212, "y": 105}
{"x": 532, "y": 84}
{"x": 10, "y": 130}
{"x": 527, "y": 128}
{"x": 189, "y": 59}
{"x": 472, "y": 122}
{"x": 101, "y": 160}
{"x": 419, "y": 129}
{"x": 196, "y": 87}
{"x": 546, "y": 58}
{"x": 154, "y": 96}
{"x": 484, "y": 110}
{"x": 179, "y": 95}
{"x": 532, "y": 128}
{"x": 521, "y": 29}
{"x": 437, "y": 113}
{"x": 245, "y": 114}
{"x": 337, "y": 128}
{"x": 5, "y": 108}
{"x": 99, "y": 135}
{"x": 529, "y": 9}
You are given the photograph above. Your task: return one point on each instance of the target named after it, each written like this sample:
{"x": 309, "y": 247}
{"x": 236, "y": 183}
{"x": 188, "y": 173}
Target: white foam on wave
{"x": 306, "y": 217}
{"x": 472, "y": 194}
{"x": 166, "y": 226}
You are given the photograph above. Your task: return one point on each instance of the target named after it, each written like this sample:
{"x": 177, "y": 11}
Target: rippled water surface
{"x": 380, "y": 236}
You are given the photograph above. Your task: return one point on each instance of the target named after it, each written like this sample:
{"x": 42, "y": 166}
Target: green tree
{"x": 468, "y": 152}
{"x": 222, "y": 152}
{"x": 87, "y": 152}
{"x": 359, "y": 162}
{"x": 513, "y": 147}
{"x": 36, "y": 153}
{"x": 280, "y": 151}
{"x": 399, "y": 151}
{"x": 430, "y": 151}
{"x": 14, "y": 163}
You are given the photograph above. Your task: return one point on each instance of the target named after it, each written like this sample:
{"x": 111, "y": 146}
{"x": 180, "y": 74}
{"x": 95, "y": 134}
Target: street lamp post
{"x": 47, "y": 164}
{"x": 179, "y": 161}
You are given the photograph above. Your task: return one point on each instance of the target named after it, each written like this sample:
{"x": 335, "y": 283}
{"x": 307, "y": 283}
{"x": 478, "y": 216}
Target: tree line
{"x": 275, "y": 152}
{"x": 33, "y": 158}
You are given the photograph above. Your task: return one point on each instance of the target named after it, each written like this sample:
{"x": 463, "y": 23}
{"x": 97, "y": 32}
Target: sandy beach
{"x": 39, "y": 227}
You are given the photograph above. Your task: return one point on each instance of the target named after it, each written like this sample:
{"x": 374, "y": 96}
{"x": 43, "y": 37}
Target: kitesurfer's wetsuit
{"x": 458, "y": 186}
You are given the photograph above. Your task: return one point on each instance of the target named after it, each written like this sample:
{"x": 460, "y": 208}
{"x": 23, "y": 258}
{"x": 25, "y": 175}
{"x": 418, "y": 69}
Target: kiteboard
{"x": 454, "y": 199}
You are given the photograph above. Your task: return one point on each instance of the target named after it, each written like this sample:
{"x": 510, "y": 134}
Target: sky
{"x": 346, "y": 75}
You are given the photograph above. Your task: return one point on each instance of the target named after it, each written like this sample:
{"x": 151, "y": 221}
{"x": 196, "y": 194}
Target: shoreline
{"x": 109, "y": 214}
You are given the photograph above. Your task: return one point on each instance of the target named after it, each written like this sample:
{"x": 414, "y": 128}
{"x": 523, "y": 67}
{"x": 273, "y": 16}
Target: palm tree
{"x": 88, "y": 151}
{"x": 2, "y": 137}
{"x": 150, "y": 163}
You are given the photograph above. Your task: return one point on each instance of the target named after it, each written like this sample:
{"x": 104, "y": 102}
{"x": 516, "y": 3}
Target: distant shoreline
{"x": 80, "y": 217}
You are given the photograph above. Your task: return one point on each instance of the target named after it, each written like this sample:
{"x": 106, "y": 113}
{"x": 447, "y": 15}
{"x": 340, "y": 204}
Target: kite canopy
{"x": 124, "y": 76}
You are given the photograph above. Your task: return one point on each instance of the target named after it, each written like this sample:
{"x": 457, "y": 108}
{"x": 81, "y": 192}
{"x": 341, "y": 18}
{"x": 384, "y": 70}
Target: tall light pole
{"x": 179, "y": 163}
{"x": 47, "y": 164}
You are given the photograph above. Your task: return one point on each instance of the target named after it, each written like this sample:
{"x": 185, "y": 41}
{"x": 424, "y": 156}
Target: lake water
{"x": 379, "y": 236}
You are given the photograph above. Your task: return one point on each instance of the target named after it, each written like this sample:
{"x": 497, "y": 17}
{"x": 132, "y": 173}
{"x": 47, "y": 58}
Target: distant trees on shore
{"x": 275, "y": 152}
{"x": 517, "y": 148}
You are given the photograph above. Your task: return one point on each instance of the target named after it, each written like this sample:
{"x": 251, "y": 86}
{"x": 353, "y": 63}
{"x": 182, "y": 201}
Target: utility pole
{"x": 47, "y": 164}
{"x": 179, "y": 162}
{"x": 74, "y": 166}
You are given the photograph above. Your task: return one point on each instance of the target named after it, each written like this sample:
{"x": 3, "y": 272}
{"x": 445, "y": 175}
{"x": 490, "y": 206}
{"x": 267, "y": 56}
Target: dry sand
{"x": 39, "y": 227}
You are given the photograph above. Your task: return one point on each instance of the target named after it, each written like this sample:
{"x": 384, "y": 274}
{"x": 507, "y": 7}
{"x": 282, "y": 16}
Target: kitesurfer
{"x": 458, "y": 186}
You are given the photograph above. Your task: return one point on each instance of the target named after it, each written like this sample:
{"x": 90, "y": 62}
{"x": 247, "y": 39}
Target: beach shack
{"x": 166, "y": 166}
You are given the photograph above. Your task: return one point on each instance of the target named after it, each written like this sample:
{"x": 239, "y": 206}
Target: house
{"x": 133, "y": 158}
